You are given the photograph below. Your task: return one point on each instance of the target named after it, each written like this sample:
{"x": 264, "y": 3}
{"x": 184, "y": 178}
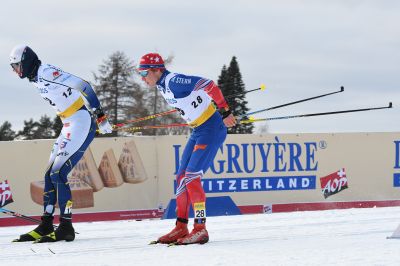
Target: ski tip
{"x": 262, "y": 87}
{"x": 18, "y": 240}
{"x": 173, "y": 244}
{"x": 390, "y": 105}
{"x": 341, "y": 88}
{"x": 154, "y": 242}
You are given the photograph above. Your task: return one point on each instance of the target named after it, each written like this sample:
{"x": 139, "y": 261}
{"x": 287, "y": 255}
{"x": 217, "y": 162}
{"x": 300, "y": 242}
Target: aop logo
{"x": 334, "y": 183}
{"x": 5, "y": 194}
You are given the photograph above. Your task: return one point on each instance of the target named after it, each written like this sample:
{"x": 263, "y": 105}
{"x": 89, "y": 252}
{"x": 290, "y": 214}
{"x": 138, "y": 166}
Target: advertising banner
{"x": 135, "y": 176}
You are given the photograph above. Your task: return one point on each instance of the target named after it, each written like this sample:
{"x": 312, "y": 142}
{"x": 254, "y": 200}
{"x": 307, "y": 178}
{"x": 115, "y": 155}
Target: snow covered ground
{"x": 335, "y": 237}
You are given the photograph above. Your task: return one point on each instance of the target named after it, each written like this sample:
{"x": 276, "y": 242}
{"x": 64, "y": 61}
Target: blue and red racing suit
{"x": 192, "y": 96}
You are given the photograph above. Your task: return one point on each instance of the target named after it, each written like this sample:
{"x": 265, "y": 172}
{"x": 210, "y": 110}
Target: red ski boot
{"x": 179, "y": 231}
{"x": 199, "y": 235}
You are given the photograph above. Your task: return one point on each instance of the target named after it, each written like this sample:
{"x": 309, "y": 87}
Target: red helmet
{"x": 151, "y": 61}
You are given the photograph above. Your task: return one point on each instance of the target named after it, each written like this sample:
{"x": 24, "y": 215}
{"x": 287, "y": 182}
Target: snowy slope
{"x": 335, "y": 237}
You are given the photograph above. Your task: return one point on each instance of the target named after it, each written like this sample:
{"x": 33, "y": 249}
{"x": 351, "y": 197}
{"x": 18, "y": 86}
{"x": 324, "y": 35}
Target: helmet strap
{"x": 32, "y": 76}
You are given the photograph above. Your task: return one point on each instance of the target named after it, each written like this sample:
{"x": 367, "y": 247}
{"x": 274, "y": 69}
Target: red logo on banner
{"x": 5, "y": 194}
{"x": 334, "y": 183}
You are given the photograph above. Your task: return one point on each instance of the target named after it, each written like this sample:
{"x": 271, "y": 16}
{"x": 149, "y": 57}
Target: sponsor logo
{"x": 5, "y": 193}
{"x": 43, "y": 90}
{"x": 63, "y": 153}
{"x": 199, "y": 147}
{"x": 181, "y": 80}
{"x": 286, "y": 165}
{"x": 68, "y": 207}
{"x": 255, "y": 184}
{"x": 251, "y": 158}
{"x": 163, "y": 90}
{"x": 334, "y": 183}
{"x": 267, "y": 208}
{"x": 171, "y": 101}
{"x": 63, "y": 144}
{"x": 199, "y": 205}
{"x": 56, "y": 75}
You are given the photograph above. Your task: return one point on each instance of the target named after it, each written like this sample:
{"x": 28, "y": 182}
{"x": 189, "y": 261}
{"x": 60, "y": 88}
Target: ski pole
{"x": 251, "y": 120}
{"x": 24, "y": 217}
{"x": 291, "y": 103}
{"x": 262, "y": 87}
{"x": 117, "y": 126}
{"x": 154, "y": 127}
{"x": 21, "y": 216}
{"x": 145, "y": 118}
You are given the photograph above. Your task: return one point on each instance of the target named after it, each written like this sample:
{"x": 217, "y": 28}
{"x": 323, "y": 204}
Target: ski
{"x": 173, "y": 244}
{"x": 43, "y": 250}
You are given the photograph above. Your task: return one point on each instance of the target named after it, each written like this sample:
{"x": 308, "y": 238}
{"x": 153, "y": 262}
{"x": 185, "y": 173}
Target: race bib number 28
{"x": 199, "y": 210}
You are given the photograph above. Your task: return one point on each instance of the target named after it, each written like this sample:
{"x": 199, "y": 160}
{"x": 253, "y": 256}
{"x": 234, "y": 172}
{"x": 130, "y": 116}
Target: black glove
{"x": 98, "y": 113}
{"x": 102, "y": 121}
{"x": 225, "y": 112}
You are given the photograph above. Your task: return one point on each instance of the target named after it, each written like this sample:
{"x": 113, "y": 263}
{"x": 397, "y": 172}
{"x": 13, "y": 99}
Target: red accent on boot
{"x": 179, "y": 231}
{"x": 199, "y": 235}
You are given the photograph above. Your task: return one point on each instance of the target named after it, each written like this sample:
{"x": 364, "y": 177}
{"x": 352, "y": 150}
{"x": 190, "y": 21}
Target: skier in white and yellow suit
{"x": 79, "y": 109}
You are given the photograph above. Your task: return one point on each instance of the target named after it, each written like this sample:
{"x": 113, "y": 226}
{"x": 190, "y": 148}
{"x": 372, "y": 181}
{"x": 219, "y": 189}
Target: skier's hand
{"x": 228, "y": 118}
{"x": 102, "y": 121}
{"x": 230, "y": 121}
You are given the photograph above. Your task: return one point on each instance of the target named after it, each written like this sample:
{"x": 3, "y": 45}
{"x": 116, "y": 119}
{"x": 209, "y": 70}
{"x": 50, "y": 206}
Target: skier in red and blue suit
{"x": 192, "y": 96}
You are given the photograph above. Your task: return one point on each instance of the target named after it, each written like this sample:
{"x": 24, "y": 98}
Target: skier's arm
{"x": 84, "y": 87}
{"x": 216, "y": 94}
{"x": 87, "y": 91}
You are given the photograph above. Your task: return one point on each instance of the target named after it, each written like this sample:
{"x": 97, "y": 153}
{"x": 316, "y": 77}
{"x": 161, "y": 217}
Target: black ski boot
{"x": 64, "y": 231}
{"x": 44, "y": 228}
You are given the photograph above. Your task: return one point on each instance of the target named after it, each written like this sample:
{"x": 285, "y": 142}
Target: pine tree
{"x": 120, "y": 96}
{"x": 44, "y": 129}
{"x": 28, "y": 130}
{"x": 6, "y": 133}
{"x": 57, "y": 126}
{"x": 230, "y": 82}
